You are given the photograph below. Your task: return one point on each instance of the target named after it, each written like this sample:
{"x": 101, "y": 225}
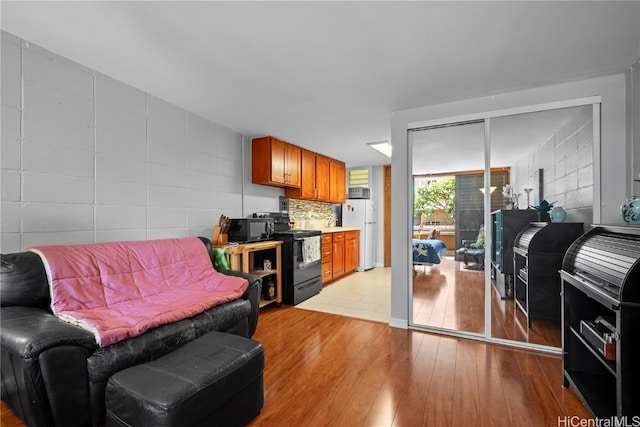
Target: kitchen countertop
{"x": 321, "y": 225}
{"x": 338, "y": 229}
{"x": 331, "y": 229}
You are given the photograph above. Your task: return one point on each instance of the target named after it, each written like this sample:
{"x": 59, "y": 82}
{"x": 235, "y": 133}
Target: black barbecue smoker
{"x": 601, "y": 321}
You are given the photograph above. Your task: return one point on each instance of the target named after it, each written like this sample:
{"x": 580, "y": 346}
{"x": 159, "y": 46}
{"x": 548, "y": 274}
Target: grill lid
{"x": 607, "y": 258}
{"x": 549, "y": 237}
{"x": 523, "y": 240}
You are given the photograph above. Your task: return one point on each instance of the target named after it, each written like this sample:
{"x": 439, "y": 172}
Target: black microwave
{"x": 245, "y": 230}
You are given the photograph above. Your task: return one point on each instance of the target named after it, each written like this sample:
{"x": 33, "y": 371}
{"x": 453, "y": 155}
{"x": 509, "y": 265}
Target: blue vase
{"x": 630, "y": 210}
{"x": 558, "y": 214}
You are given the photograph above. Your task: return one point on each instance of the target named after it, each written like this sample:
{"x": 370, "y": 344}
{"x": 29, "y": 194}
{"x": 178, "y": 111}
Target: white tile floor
{"x": 365, "y": 295}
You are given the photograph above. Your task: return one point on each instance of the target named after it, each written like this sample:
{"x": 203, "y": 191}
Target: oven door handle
{"x": 300, "y": 242}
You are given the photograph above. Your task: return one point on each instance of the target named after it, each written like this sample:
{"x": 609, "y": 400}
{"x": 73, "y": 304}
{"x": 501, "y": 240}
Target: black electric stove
{"x": 301, "y": 259}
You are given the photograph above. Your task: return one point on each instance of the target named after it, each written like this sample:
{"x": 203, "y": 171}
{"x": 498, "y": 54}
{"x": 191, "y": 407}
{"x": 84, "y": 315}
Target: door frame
{"x": 386, "y": 174}
{"x": 595, "y": 102}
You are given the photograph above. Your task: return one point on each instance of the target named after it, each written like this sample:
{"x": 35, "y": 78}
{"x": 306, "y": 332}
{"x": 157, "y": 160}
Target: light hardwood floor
{"x": 330, "y": 370}
{"x": 325, "y": 369}
{"x": 449, "y": 296}
{"x": 444, "y": 296}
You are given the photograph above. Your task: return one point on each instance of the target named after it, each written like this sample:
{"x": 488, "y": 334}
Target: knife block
{"x": 219, "y": 238}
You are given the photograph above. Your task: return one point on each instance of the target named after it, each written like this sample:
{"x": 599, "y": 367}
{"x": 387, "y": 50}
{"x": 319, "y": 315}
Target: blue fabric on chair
{"x": 428, "y": 251}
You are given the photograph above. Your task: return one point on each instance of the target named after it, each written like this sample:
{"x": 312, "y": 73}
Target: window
{"x": 359, "y": 178}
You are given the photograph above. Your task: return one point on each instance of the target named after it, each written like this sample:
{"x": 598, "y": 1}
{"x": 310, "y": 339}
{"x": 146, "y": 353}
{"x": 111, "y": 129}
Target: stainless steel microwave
{"x": 246, "y": 230}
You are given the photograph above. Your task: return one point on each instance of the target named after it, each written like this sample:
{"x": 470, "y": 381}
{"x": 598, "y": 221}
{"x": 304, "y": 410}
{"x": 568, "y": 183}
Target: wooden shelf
{"x": 242, "y": 258}
{"x": 263, "y": 273}
{"x": 265, "y": 302}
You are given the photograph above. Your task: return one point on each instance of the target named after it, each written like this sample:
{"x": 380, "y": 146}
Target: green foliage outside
{"x": 436, "y": 195}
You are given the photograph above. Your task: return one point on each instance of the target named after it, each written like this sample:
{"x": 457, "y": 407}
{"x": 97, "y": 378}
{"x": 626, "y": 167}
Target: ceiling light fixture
{"x": 382, "y": 146}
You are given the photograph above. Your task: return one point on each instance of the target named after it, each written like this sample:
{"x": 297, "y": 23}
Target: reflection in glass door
{"x": 532, "y": 157}
{"x": 550, "y": 157}
{"x": 448, "y": 280}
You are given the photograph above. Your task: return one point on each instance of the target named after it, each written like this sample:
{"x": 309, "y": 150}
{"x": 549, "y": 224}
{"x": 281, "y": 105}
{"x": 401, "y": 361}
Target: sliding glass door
{"x": 448, "y": 208}
{"x": 500, "y": 169}
{"x": 550, "y": 158}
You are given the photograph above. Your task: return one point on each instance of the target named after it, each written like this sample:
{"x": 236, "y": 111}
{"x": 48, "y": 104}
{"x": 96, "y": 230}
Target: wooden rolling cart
{"x": 249, "y": 258}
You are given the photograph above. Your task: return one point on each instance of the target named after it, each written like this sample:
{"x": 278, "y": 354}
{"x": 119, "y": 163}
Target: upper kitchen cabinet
{"x": 275, "y": 163}
{"x": 314, "y": 178}
{"x": 337, "y": 182}
{"x": 302, "y": 173}
{"x": 323, "y": 184}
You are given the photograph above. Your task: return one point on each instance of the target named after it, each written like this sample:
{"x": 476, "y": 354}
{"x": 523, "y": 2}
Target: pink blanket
{"x": 121, "y": 289}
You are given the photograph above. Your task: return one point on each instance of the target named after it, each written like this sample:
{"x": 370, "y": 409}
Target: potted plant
{"x": 543, "y": 210}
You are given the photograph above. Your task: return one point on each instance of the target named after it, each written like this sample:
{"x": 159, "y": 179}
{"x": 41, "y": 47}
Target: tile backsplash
{"x": 310, "y": 215}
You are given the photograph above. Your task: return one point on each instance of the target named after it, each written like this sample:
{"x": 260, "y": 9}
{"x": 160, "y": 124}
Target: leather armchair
{"x": 473, "y": 250}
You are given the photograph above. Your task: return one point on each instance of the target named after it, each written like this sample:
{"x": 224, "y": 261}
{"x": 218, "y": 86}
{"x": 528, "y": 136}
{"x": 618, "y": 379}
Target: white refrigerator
{"x": 361, "y": 213}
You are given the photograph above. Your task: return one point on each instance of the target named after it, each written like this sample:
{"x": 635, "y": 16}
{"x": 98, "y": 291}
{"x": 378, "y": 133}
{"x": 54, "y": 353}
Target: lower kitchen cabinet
{"x": 327, "y": 257}
{"x": 340, "y": 254}
{"x": 351, "y": 251}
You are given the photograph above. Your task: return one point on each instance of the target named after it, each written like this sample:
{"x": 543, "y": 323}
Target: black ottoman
{"x": 214, "y": 380}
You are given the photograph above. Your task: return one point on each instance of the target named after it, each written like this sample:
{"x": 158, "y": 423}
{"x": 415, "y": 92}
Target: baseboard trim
{"x": 399, "y": 323}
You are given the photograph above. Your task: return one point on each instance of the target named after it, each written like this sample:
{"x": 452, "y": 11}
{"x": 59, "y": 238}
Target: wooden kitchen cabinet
{"x": 314, "y": 178}
{"x": 337, "y": 182}
{"x": 302, "y": 173}
{"x": 275, "y": 162}
{"x": 351, "y": 251}
{"x": 337, "y": 263}
{"x": 323, "y": 184}
{"x": 340, "y": 254}
{"x": 327, "y": 257}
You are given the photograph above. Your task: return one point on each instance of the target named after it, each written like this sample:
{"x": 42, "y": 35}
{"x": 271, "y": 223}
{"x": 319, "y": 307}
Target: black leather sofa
{"x": 54, "y": 374}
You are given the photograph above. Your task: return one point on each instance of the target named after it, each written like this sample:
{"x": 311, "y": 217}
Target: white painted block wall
{"x": 567, "y": 159}
{"x": 86, "y": 158}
